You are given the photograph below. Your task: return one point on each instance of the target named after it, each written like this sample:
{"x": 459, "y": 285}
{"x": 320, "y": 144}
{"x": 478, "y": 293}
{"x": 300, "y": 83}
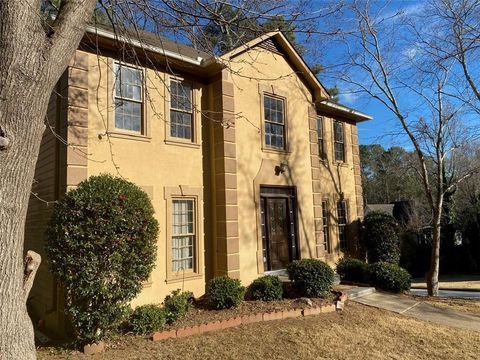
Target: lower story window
{"x": 326, "y": 235}
{"x": 183, "y": 234}
{"x": 342, "y": 224}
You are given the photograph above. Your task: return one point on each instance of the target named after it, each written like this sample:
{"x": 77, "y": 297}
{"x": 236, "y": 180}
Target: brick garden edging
{"x": 247, "y": 319}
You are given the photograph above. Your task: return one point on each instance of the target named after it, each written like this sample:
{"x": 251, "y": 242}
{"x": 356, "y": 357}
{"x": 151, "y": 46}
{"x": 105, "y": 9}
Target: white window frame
{"x": 117, "y": 67}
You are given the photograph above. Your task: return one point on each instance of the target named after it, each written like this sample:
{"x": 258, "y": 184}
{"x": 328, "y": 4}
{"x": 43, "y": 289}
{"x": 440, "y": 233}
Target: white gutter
{"x": 155, "y": 49}
{"x": 346, "y": 109}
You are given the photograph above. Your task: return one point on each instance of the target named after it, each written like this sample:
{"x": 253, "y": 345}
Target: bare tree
{"x": 454, "y": 35}
{"x": 384, "y": 59}
{"x": 33, "y": 55}
{"x": 38, "y": 38}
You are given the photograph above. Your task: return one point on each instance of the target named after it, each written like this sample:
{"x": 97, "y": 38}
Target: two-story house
{"x": 248, "y": 164}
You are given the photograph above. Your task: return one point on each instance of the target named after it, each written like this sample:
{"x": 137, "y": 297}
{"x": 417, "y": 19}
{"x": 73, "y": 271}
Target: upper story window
{"x": 321, "y": 141}
{"x": 181, "y": 110}
{"x": 128, "y": 98}
{"x": 342, "y": 224}
{"x": 338, "y": 141}
{"x": 274, "y": 116}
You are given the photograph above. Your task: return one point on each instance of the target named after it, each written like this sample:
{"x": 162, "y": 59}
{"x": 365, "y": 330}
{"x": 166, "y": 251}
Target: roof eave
{"x": 331, "y": 108}
{"x": 199, "y": 61}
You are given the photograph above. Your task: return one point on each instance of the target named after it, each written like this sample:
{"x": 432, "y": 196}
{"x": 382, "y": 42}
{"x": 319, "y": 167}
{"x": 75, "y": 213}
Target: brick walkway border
{"x": 247, "y": 319}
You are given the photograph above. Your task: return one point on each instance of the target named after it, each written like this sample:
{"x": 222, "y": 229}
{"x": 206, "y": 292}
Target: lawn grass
{"x": 454, "y": 304}
{"x": 360, "y": 332}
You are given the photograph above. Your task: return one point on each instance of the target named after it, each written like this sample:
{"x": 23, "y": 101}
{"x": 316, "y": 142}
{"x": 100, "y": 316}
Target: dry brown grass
{"x": 360, "y": 332}
{"x": 465, "y": 282}
{"x": 461, "y": 305}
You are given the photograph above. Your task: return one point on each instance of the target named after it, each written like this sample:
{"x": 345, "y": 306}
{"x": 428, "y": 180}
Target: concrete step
{"x": 359, "y": 292}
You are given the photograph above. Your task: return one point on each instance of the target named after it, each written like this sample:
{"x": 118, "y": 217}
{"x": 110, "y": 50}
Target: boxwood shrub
{"x": 101, "y": 245}
{"x": 381, "y": 238}
{"x": 389, "y": 277}
{"x": 352, "y": 270}
{"x": 177, "y": 304}
{"x": 266, "y": 288}
{"x": 224, "y": 292}
{"x": 311, "y": 277}
{"x": 146, "y": 319}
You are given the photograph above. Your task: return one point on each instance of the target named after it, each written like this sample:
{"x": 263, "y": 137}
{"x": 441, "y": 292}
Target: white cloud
{"x": 348, "y": 97}
{"x": 410, "y": 52}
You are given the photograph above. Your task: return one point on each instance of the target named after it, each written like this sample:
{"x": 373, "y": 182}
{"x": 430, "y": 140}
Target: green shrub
{"x": 266, "y": 288}
{"x": 381, "y": 238}
{"x": 311, "y": 277}
{"x": 177, "y": 304}
{"x": 389, "y": 277}
{"x": 352, "y": 270}
{"x": 224, "y": 292}
{"x": 101, "y": 243}
{"x": 147, "y": 319}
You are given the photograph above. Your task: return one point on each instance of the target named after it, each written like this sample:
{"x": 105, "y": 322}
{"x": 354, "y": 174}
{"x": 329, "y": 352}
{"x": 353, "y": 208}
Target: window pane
{"x": 319, "y": 127}
{"x": 180, "y": 124}
{"x": 183, "y": 235}
{"x": 128, "y": 82}
{"x": 339, "y": 153}
{"x": 274, "y": 122}
{"x": 181, "y": 114}
{"x": 338, "y": 131}
{"x": 342, "y": 224}
{"x": 128, "y": 98}
{"x": 181, "y": 96}
{"x": 128, "y": 115}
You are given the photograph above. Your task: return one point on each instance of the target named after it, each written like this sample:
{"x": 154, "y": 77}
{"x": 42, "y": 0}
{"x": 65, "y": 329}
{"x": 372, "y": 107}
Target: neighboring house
{"x": 248, "y": 165}
{"x": 402, "y": 210}
{"x": 383, "y": 208}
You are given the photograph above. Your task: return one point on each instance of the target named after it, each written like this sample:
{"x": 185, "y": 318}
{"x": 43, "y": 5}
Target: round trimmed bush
{"x": 101, "y": 244}
{"x": 381, "y": 238}
{"x": 147, "y": 319}
{"x": 352, "y": 270}
{"x": 311, "y": 277}
{"x": 177, "y": 305}
{"x": 266, "y": 288}
{"x": 224, "y": 292}
{"x": 389, "y": 277}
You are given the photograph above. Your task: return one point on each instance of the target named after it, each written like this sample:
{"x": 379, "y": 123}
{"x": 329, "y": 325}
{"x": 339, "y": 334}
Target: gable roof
{"x": 282, "y": 43}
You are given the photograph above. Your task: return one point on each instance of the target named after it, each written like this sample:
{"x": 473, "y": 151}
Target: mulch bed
{"x": 201, "y": 314}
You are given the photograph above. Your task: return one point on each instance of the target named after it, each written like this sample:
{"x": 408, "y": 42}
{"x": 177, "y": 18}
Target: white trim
{"x": 346, "y": 109}
{"x": 111, "y": 35}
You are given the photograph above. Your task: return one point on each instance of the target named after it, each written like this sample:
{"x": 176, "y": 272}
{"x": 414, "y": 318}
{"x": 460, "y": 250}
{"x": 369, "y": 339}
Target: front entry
{"x": 278, "y": 209}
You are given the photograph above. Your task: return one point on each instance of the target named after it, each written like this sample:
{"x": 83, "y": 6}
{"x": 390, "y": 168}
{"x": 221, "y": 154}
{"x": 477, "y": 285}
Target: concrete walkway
{"x": 416, "y": 309}
{"x": 462, "y": 294}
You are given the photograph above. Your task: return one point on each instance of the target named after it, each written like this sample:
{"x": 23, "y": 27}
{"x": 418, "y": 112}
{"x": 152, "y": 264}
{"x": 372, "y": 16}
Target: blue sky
{"x": 384, "y": 129}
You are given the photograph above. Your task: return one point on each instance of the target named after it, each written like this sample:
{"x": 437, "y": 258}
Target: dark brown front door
{"x": 277, "y": 228}
{"x": 278, "y": 209}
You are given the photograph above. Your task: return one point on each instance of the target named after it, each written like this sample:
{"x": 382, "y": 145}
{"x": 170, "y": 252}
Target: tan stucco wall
{"x": 149, "y": 161}
{"x": 231, "y": 168}
{"x": 272, "y": 73}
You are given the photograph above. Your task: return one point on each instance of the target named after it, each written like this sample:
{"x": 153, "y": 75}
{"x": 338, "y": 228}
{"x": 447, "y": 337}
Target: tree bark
{"x": 31, "y": 62}
{"x": 432, "y": 275}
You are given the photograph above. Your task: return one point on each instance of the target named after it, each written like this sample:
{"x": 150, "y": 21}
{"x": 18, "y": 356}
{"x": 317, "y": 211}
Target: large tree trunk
{"x": 432, "y": 275}
{"x": 31, "y": 62}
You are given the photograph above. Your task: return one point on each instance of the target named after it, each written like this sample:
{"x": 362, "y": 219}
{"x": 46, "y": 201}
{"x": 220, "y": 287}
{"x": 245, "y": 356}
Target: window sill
{"x": 181, "y": 277}
{"x": 340, "y": 163}
{"x": 129, "y": 136}
{"x": 275, "y": 151}
{"x": 182, "y": 143}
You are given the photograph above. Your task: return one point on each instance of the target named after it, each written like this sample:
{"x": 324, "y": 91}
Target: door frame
{"x": 285, "y": 192}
